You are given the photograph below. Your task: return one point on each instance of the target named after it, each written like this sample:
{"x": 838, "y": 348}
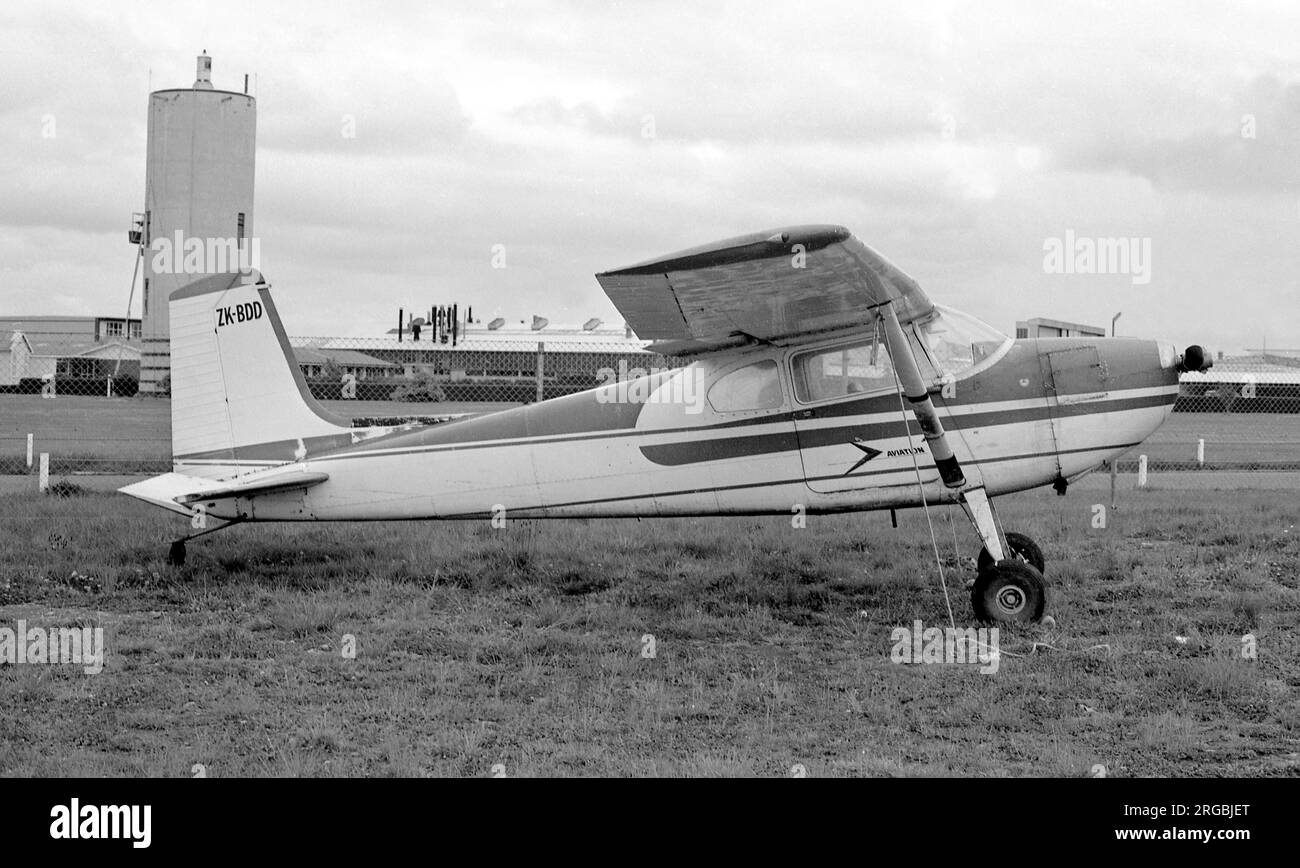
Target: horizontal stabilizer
{"x": 164, "y": 490}
{"x": 284, "y": 482}
{"x": 175, "y": 491}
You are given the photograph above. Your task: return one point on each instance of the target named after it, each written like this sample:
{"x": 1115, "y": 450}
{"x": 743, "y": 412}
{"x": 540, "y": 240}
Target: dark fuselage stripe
{"x": 798, "y": 481}
{"x": 723, "y": 448}
{"x": 786, "y": 440}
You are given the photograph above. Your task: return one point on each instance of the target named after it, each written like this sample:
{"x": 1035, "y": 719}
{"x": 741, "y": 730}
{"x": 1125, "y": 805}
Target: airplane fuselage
{"x": 1036, "y": 411}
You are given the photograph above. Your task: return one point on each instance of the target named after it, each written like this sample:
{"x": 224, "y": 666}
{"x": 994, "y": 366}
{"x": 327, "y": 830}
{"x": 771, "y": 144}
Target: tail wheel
{"x": 1022, "y": 549}
{"x": 1009, "y": 592}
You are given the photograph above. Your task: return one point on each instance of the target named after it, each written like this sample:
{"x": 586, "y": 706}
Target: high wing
{"x": 770, "y": 286}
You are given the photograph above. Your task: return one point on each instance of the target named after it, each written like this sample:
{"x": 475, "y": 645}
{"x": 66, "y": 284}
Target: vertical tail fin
{"x": 239, "y": 400}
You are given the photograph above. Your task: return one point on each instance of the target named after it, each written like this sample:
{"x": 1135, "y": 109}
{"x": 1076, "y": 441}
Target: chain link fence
{"x": 72, "y": 416}
{"x": 477, "y": 369}
{"x": 1243, "y": 414}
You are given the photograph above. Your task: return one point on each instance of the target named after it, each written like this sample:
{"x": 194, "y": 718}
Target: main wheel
{"x": 176, "y": 554}
{"x": 1010, "y": 592}
{"x": 1022, "y": 549}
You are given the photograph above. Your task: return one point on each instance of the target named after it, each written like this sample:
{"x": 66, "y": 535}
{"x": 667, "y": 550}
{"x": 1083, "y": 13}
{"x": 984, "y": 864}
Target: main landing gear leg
{"x": 176, "y": 554}
{"x": 979, "y": 509}
{"x": 1008, "y": 588}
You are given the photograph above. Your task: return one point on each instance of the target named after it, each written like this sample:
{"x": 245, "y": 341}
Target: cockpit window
{"x": 947, "y": 345}
{"x": 753, "y": 387}
{"x": 956, "y": 343}
{"x": 845, "y": 370}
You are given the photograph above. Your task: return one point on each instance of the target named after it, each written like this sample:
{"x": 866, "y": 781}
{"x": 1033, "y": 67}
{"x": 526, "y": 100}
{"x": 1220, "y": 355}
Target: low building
{"x": 316, "y": 363}
{"x": 78, "y": 353}
{"x": 573, "y": 353}
{"x": 1041, "y": 327}
{"x": 493, "y": 362}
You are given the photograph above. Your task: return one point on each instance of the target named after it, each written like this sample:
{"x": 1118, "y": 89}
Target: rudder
{"x": 239, "y": 400}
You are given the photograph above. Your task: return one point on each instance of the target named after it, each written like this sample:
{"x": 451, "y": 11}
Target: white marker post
{"x": 1200, "y": 452}
{"x": 1142, "y": 471}
{"x": 541, "y": 367}
{"x": 29, "y": 452}
{"x": 44, "y": 482}
{"x": 1114, "y": 475}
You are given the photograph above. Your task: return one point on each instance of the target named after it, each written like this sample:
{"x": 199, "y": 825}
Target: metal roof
{"x": 315, "y": 356}
{"x": 565, "y": 341}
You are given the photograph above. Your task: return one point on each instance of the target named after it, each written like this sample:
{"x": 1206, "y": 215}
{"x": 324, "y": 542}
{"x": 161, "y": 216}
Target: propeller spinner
{"x": 1195, "y": 358}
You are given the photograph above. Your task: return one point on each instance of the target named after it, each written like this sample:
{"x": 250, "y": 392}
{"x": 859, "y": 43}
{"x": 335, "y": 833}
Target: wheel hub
{"x": 1010, "y": 599}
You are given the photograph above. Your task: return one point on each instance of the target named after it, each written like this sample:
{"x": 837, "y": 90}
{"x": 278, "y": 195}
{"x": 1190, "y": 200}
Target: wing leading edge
{"x": 767, "y": 286}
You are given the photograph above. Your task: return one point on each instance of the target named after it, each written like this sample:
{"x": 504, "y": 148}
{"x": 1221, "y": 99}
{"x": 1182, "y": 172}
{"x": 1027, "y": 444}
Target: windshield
{"x": 957, "y": 343}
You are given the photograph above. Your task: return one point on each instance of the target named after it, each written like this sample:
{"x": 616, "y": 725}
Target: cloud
{"x": 340, "y": 110}
{"x": 1255, "y": 148}
{"x": 395, "y": 147}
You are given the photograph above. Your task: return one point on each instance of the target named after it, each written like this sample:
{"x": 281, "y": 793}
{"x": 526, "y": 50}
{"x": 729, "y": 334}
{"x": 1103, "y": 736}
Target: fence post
{"x": 1114, "y": 472}
{"x": 29, "y": 451}
{"x": 1200, "y": 452}
{"x": 541, "y": 365}
{"x": 1142, "y": 471}
{"x": 44, "y": 482}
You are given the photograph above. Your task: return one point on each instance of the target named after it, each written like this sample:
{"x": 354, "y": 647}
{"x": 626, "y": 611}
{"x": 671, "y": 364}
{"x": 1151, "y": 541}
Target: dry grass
{"x": 522, "y": 648}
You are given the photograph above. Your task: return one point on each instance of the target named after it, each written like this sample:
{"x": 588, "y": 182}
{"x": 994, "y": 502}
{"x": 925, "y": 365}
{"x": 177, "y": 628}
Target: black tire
{"x": 1022, "y": 548}
{"x": 1009, "y": 592}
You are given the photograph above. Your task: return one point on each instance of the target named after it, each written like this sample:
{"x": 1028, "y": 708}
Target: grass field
{"x": 519, "y": 651}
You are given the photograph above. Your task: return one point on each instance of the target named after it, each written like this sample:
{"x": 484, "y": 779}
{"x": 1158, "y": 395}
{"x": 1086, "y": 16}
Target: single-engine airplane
{"x": 821, "y": 378}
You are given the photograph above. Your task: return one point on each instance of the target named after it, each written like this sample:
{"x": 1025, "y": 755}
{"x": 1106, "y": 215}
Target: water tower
{"x": 198, "y": 196}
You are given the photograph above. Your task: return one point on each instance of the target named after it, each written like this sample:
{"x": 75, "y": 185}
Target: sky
{"x": 403, "y": 146}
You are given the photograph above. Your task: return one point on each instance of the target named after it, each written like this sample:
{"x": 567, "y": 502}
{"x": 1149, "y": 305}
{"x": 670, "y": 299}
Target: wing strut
{"x": 909, "y": 374}
{"x": 974, "y": 500}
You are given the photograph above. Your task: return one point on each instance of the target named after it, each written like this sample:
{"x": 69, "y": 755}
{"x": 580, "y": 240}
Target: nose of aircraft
{"x": 1147, "y": 373}
{"x": 1194, "y": 358}
{"x": 1172, "y": 365}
